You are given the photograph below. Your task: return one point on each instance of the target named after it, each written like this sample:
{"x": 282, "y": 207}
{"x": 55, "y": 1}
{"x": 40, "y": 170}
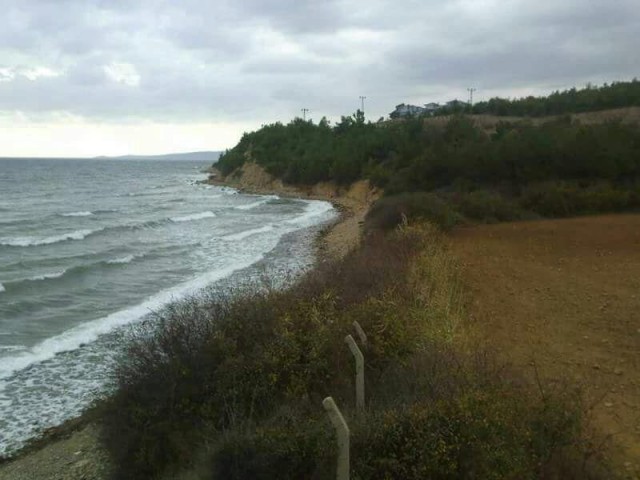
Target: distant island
{"x": 205, "y": 156}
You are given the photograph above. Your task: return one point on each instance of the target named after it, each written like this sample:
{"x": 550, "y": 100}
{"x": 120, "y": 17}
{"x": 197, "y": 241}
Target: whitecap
{"x": 122, "y": 260}
{"x": 248, "y": 233}
{"x": 195, "y": 216}
{"x": 48, "y": 276}
{"x": 90, "y": 331}
{"x": 77, "y": 214}
{"x": 314, "y": 209}
{"x": 249, "y": 206}
{"x": 36, "y": 241}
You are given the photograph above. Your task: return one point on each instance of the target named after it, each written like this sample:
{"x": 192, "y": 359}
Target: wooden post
{"x": 342, "y": 434}
{"x": 357, "y": 354}
{"x": 361, "y": 335}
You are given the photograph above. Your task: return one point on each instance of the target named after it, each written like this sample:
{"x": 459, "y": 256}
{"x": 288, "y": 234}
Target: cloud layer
{"x": 245, "y": 63}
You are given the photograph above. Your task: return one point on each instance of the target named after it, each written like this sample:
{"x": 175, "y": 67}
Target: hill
{"x": 204, "y": 156}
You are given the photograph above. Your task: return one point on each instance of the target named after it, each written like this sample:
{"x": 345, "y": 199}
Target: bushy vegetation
{"x": 558, "y": 168}
{"x": 589, "y": 99}
{"x": 231, "y": 386}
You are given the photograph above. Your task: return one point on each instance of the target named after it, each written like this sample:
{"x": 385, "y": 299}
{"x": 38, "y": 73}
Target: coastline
{"x": 352, "y": 203}
{"x": 72, "y": 450}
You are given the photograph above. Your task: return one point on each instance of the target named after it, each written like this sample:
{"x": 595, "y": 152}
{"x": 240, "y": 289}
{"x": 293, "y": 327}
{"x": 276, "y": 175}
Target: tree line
{"x": 589, "y": 99}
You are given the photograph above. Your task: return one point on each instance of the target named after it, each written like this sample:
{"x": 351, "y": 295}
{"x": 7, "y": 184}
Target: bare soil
{"x": 561, "y": 299}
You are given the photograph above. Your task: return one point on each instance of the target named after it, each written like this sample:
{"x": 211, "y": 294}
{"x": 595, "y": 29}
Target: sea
{"x": 90, "y": 248}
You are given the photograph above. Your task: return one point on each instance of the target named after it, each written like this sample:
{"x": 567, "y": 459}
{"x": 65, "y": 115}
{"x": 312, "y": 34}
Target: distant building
{"x": 403, "y": 111}
{"x": 457, "y": 104}
{"x": 431, "y": 108}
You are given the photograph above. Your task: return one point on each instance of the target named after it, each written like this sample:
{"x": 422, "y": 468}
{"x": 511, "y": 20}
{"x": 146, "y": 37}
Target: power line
{"x": 471, "y": 90}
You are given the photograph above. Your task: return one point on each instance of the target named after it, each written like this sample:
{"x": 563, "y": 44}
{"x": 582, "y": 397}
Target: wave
{"x": 195, "y": 216}
{"x": 249, "y": 206}
{"x": 78, "y": 268}
{"x": 1, "y": 288}
{"x": 37, "y": 241}
{"x": 89, "y": 332}
{"x": 76, "y": 214}
{"x": 123, "y": 260}
{"x": 47, "y": 276}
{"x": 248, "y": 233}
{"x": 314, "y": 209}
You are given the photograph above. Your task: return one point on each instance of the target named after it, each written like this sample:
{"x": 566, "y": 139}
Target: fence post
{"x": 357, "y": 354}
{"x": 342, "y": 434}
{"x": 360, "y": 332}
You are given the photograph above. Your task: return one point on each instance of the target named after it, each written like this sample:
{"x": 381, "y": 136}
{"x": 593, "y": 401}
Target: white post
{"x": 361, "y": 335}
{"x": 342, "y": 434}
{"x": 357, "y": 354}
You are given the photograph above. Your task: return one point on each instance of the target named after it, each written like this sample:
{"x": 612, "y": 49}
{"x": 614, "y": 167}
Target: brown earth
{"x": 562, "y": 297}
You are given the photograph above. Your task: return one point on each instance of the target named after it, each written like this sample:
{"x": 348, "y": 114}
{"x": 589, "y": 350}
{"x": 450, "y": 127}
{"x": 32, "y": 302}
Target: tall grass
{"x": 231, "y": 386}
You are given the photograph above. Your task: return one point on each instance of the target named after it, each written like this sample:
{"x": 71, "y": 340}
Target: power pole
{"x": 471, "y": 90}
{"x": 362, "y": 98}
{"x": 304, "y": 113}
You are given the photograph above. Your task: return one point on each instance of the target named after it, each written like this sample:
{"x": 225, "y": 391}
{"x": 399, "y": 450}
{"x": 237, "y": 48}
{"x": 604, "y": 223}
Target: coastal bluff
{"x": 352, "y": 201}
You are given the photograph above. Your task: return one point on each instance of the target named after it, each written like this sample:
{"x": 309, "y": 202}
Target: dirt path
{"x": 564, "y": 295}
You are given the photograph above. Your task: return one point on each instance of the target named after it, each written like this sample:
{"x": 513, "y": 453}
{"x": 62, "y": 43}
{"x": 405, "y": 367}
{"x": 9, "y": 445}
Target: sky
{"x": 114, "y": 77}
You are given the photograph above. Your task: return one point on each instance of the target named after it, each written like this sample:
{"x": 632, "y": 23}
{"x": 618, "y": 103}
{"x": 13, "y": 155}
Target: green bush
{"x": 487, "y": 206}
{"x": 562, "y": 199}
{"x": 389, "y": 212}
{"x": 464, "y": 419}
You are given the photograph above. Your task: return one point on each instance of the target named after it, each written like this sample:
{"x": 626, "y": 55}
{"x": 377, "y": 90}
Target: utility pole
{"x": 362, "y": 98}
{"x": 471, "y": 90}
{"x": 304, "y": 113}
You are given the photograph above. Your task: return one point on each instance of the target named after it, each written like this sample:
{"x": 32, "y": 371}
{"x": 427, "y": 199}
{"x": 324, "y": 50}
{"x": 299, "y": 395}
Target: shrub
{"x": 561, "y": 199}
{"x": 487, "y": 206}
{"x": 389, "y": 212}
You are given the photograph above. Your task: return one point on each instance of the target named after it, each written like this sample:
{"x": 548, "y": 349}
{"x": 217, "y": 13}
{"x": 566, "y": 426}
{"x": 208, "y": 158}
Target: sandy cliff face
{"x": 353, "y": 202}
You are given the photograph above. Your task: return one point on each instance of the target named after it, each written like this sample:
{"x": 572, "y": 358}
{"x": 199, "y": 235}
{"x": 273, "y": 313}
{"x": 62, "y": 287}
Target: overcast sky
{"x": 94, "y": 77}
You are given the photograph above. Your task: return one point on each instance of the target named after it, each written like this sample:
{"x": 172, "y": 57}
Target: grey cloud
{"x": 263, "y": 59}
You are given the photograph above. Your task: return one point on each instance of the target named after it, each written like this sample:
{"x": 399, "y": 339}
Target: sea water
{"x": 90, "y": 247}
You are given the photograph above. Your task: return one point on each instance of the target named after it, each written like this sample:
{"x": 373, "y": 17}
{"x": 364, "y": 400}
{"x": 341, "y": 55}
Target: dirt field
{"x": 564, "y": 296}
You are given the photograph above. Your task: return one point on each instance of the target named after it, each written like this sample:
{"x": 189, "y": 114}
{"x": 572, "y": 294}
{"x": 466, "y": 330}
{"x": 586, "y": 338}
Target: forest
{"x": 517, "y": 170}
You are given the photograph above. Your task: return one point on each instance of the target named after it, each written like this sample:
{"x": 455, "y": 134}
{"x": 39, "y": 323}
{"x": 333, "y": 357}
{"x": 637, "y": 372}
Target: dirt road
{"x": 564, "y": 295}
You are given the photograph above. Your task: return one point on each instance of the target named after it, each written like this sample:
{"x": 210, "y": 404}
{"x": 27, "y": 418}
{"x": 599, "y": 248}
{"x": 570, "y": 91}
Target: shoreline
{"x": 72, "y": 450}
{"x": 351, "y": 202}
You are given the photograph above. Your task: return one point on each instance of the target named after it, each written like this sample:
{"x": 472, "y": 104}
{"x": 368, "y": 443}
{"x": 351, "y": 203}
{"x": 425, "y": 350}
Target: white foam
{"x": 314, "y": 209}
{"x": 249, "y": 206}
{"x": 1, "y": 288}
{"x": 122, "y": 260}
{"x": 90, "y": 331}
{"x": 48, "y": 276}
{"x": 77, "y": 214}
{"x": 248, "y": 233}
{"x": 195, "y": 216}
{"x": 35, "y": 241}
